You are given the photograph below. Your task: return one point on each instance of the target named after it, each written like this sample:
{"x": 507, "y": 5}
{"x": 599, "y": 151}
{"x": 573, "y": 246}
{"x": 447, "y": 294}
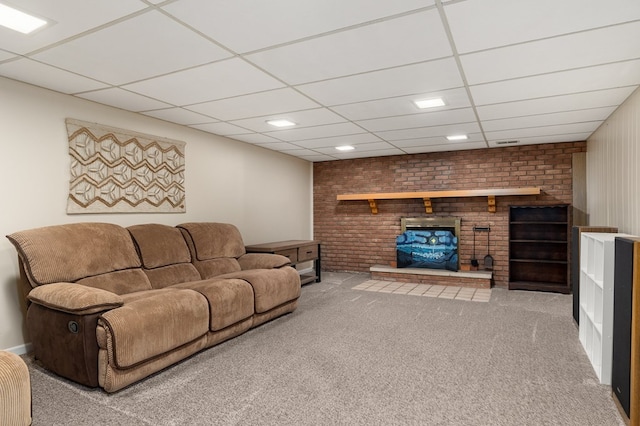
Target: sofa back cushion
{"x": 159, "y": 245}
{"x": 214, "y": 247}
{"x": 166, "y": 259}
{"x": 214, "y": 240}
{"x": 71, "y": 252}
{"x": 119, "y": 282}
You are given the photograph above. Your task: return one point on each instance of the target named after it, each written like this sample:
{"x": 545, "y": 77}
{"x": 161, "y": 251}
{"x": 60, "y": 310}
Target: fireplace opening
{"x": 428, "y": 242}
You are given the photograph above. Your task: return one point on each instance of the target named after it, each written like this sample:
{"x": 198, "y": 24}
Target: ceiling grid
{"x": 346, "y": 72}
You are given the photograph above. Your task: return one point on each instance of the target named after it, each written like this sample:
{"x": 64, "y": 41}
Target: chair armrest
{"x": 262, "y": 261}
{"x": 74, "y": 298}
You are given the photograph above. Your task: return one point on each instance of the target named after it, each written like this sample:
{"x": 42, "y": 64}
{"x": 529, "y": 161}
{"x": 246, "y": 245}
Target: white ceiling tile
{"x": 359, "y": 147}
{"x": 586, "y": 115}
{"x": 313, "y": 117}
{"x": 329, "y": 130}
{"x": 569, "y": 137}
{"x": 332, "y": 142}
{"x": 425, "y": 132}
{"x": 595, "y": 99}
{"x": 421, "y": 143}
{"x": 39, "y": 74}
{"x": 256, "y": 104}
{"x": 236, "y": 23}
{"x": 346, "y": 155}
{"x": 439, "y": 140}
{"x": 402, "y": 105}
{"x": 280, "y": 146}
{"x": 484, "y": 24}
{"x": 179, "y": 115}
{"x": 69, "y": 18}
{"x": 411, "y": 79}
{"x": 426, "y": 119}
{"x": 122, "y": 99}
{"x": 256, "y": 138}
{"x": 383, "y": 44}
{"x": 561, "y": 83}
{"x": 446, "y": 147}
{"x": 224, "y": 79}
{"x": 317, "y": 157}
{"x": 563, "y": 129}
{"x": 298, "y": 152}
{"x": 149, "y": 44}
{"x": 541, "y": 71}
{"x": 4, "y": 55}
{"x": 222, "y": 129}
{"x": 560, "y": 53}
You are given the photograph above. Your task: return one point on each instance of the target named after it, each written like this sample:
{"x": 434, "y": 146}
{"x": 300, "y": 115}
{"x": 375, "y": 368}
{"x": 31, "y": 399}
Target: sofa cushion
{"x": 165, "y": 276}
{"x": 74, "y": 251}
{"x": 151, "y": 326}
{"x": 271, "y": 287}
{"x": 263, "y": 261}
{"x": 214, "y": 267}
{"x": 119, "y": 282}
{"x": 159, "y": 245}
{"x": 165, "y": 255}
{"x": 131, "y": 297}
{"x": 214, "y": 240}
{"x": 230, "y": 300}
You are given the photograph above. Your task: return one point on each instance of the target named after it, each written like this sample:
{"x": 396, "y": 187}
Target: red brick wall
{"x": 353, "y": 239}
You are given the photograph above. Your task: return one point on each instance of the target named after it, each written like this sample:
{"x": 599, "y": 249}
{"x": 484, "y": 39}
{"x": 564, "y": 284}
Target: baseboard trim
{"x": 20, "y": 349}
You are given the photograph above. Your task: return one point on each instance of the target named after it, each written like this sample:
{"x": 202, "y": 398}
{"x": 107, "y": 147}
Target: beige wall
{"x": 613, "y": 164}
{"x": 266, "y": 194}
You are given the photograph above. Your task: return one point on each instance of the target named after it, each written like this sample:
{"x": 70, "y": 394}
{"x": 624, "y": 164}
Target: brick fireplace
{"x": 354, "y": 239}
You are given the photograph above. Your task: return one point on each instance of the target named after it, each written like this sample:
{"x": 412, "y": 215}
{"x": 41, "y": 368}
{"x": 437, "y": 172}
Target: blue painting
{"x": 427, "y": 249}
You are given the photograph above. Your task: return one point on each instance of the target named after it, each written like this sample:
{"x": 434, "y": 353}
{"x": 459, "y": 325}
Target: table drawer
{"x": 307, "y": 252}
{"x": 292, "y": 254}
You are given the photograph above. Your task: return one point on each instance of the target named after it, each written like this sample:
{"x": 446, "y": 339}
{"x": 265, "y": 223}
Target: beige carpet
{"x": 354, "y": 357}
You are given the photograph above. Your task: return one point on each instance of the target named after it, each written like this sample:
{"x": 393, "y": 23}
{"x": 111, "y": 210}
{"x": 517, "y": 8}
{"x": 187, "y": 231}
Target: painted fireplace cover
{"x": 437, "y": 249}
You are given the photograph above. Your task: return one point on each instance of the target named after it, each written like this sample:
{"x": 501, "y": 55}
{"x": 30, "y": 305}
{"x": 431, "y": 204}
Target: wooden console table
{"x": 298, "y": 251}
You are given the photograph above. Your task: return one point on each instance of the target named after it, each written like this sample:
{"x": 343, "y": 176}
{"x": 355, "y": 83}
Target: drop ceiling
{"x": 345, "y": 71}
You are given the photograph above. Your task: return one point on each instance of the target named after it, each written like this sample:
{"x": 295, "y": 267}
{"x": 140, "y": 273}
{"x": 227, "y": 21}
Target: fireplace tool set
{"x": 488, "y": 259}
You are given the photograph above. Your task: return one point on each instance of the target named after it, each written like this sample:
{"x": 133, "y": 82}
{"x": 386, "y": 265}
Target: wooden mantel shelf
{"x": 426, "y": 196}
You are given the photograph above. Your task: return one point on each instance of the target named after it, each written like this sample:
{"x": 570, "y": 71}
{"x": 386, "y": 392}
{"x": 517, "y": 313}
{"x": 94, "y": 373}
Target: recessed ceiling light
{"x": 457, "y": 138}
{"x": 281, "y": 123}
{"x": 429, "y": 103}
{"x": 345, "y": 148}
{"x": 19, "y": 21}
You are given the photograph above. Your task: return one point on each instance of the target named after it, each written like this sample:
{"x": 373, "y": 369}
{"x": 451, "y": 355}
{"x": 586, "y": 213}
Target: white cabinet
{"x": 597, "y": 260}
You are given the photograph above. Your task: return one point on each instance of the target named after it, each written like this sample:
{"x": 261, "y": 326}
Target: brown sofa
{"x": 109, "y": 305}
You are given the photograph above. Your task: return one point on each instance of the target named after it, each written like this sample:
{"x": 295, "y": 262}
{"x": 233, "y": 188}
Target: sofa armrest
{"x": 74, "y": 298}
{"x": 262, "y": 261}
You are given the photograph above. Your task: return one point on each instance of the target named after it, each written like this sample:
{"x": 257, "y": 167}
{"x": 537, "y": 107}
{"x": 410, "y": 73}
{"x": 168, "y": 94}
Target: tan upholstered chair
{"x": 15, "y": 391}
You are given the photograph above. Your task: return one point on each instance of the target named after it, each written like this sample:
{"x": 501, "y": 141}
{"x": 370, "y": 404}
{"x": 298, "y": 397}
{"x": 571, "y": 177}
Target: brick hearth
{"x": 475, "y": 279}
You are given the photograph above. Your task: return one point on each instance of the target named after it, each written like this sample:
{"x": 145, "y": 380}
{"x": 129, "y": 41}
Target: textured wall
{"x": 353, "y": 239}
{"x": 613, "y": 169}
